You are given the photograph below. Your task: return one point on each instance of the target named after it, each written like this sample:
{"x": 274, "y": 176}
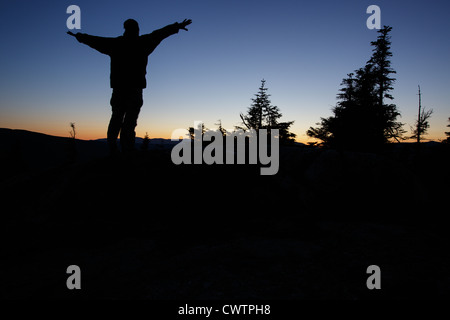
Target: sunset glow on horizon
{"x": 210, "y": 73}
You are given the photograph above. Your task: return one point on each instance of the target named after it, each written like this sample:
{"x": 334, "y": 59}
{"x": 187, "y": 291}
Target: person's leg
{"x": 128, "y": 134}
{"x": 115, "y": 124}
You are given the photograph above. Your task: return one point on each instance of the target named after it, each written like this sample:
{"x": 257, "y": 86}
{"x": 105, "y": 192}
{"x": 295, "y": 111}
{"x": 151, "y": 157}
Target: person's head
{"x": 131, "y": 28}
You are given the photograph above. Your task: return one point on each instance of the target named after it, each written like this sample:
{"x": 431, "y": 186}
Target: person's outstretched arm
{"x": 101, "y": 44}
{"x": 154, "y": 39}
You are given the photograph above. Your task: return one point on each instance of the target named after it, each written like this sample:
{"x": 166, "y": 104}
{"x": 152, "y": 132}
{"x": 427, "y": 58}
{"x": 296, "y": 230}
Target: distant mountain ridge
{"x": 6, "y": 133}
{"x": 139, "y": 141}
{"x": 24, "y": 150}
{"x": 28, "y": 151}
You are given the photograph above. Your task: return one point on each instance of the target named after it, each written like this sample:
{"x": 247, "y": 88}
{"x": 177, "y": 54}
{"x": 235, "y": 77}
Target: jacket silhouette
{"x": 129, "y": 57}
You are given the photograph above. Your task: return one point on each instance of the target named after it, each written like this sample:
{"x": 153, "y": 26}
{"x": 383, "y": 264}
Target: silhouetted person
{"x": 129, "y": 56}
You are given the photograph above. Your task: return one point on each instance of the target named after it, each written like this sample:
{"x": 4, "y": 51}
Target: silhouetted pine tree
{"x": 221, "y": 129}
{"x": 448, "y": 133}
{"x": 362, "y": 120}
{"x": 145, "y": 142}
{"x": 387, "y": 113}
{"x": 192, "y": 131}
{"x": 256, "y": 112}
{"x": 263, "y": 115}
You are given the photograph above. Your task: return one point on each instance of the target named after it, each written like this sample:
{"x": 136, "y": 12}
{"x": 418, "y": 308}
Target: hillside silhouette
{"x": 143, "y": 227}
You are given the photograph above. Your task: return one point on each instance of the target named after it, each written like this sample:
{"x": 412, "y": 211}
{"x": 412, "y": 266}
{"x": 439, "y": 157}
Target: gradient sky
{"x": 302, "y": 49}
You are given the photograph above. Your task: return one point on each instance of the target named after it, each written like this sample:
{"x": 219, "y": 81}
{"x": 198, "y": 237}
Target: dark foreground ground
{"x": 145, "y": 228}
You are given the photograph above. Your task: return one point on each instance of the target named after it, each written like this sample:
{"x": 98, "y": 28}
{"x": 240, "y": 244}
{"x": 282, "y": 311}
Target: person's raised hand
{"x": 185, "y": 23}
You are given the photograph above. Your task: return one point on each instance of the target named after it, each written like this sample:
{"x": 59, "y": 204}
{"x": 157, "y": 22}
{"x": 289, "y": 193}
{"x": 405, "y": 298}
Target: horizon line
{"x": 437, "y": 140}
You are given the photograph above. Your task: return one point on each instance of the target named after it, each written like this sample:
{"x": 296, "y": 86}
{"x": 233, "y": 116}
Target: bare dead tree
{"x": 421, "y": 126}
{"x": 72, "y": 132}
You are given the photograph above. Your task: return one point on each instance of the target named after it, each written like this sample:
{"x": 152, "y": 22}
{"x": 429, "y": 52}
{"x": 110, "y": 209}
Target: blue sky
{"x": 302, "y": 49}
